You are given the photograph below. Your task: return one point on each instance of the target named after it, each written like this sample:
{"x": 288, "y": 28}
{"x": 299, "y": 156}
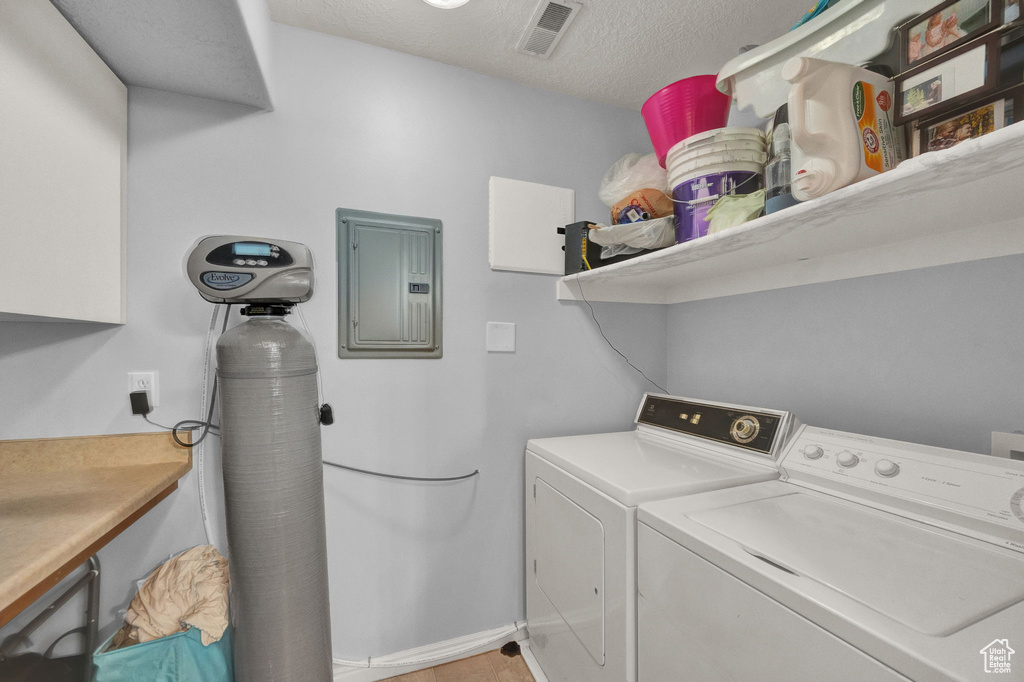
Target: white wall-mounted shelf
{"x": 961, "y": 204}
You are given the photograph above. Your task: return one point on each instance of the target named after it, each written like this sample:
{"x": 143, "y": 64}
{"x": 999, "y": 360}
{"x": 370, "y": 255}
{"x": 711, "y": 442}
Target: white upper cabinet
{"x": 63, "y": 157}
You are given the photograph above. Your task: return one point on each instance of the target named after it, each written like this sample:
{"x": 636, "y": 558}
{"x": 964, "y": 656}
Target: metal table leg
{"x": 90, "y": 630}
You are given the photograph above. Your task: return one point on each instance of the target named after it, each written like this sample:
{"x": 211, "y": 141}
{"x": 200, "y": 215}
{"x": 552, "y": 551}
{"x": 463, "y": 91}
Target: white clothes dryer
{"x": 581, "y": 498}
{"x": 869, "y": 560}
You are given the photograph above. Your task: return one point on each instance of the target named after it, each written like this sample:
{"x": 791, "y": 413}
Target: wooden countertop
{"x": 62, "y": 499}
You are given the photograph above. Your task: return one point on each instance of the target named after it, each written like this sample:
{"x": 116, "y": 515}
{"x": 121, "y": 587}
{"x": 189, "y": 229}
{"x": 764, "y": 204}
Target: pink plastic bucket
{"x": 685, "y": 108}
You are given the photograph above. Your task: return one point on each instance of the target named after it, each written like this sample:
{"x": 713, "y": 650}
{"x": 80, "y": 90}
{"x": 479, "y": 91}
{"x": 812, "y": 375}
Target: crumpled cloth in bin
{"x": 189, "y": 590}
{"x": 735, "y": 209}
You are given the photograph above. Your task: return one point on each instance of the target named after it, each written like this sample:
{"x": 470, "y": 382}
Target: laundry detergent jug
{"x": 840, "y": 120}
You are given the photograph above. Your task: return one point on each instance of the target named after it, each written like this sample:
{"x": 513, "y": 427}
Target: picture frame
{"x": 949, "y": 82}
{"x": 974, "y": 120}
{"x": 944, "y": 27}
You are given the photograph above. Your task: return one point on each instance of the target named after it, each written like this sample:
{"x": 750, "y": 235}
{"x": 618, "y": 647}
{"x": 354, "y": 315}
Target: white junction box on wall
{"x": 524, "y": 219}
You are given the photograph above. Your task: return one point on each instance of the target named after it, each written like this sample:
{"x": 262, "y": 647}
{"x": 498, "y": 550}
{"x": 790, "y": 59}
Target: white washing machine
{"x": 581, "y": 499}
{"x": 870, "y": 559}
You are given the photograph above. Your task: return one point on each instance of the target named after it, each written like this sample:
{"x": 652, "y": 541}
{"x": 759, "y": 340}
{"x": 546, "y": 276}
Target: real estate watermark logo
{"x": 997, "y": 656}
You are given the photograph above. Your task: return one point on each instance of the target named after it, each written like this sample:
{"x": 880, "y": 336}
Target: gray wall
{"x": 932, "y": 356}
{"x": 361, "y": 127}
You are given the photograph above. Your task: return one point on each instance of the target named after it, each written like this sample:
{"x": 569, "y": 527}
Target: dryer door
{"x": 570, "y": 565}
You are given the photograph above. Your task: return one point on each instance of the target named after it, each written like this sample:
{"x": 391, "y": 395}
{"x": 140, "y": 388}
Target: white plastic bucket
{"x": 685, "y": 146}
{"x": 713, "y": 147}
{"x": 684, "y": 167}
{"x": 717, "y": 136}
{"x": 714, "y": 157}
{"x": 698, "y": 152}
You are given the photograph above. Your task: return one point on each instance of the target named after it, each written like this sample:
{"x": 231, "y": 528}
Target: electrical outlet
{"x": 1008, "y": 445}
{"x": 146, "y": 381}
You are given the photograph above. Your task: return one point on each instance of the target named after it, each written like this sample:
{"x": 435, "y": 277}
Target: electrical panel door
{"x": 389, "y": 286}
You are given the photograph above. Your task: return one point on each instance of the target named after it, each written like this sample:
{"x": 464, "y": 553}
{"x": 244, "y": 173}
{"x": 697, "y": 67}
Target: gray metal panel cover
{"x": 389, "y": 286}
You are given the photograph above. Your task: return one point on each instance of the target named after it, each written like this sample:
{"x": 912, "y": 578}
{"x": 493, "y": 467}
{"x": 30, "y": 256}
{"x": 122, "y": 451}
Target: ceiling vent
{"x": 547, "y": 27}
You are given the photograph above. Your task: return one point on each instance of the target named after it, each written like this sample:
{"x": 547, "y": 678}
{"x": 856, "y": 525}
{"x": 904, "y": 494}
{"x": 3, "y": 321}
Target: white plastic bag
{"x": 609, "y": 252}
{"x": 649, "y": 234}
{"x": 629, "y": 174}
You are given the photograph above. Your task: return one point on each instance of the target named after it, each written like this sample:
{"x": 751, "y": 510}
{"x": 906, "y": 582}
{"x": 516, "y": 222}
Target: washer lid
{"x": 931, "y": 580}
{"x": 632, "y": 467}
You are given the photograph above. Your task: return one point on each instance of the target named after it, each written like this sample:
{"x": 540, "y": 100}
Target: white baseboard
{"x": 531, "y": 661}
{"x": 382, "y": 667}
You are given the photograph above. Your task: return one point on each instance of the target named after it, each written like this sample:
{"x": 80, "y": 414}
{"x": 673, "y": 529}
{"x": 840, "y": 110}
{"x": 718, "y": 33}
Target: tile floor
{"x": 490, "y": 667}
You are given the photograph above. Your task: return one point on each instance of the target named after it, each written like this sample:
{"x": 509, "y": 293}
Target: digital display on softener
{"x": 250, "y": 249}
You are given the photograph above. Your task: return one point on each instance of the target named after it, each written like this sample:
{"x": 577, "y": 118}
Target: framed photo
{"x": 954, "y": 80}
{"x": 946, "y": 26}
{"x": 973, "y": 121}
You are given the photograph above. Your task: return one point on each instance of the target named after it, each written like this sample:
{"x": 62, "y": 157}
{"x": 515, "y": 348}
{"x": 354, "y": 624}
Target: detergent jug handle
{"x": 811, "y": 144}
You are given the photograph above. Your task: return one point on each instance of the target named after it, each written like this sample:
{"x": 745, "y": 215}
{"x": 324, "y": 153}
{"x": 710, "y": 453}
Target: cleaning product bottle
{"x": 778, "y": 175}
{"x": 840, "y": 119}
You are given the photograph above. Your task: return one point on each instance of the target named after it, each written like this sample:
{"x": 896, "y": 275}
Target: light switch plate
{"x": 501, "y": 337}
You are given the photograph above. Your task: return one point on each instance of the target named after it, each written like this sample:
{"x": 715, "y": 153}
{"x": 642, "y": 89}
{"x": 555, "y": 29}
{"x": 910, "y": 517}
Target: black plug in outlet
{"x": 140, "y": 402}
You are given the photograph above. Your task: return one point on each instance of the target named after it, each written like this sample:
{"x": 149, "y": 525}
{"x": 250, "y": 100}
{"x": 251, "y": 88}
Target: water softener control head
{"x": 247, "y": 270}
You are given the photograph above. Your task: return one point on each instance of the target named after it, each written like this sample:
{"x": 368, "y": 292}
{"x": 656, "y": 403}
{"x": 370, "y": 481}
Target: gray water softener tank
{"x": 273, "y": 485}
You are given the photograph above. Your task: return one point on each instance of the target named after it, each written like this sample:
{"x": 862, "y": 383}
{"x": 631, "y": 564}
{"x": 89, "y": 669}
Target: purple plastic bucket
{"x": 695, "y": 196}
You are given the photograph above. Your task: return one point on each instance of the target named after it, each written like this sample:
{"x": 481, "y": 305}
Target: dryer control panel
{"x": 969, "y": 492}
{"x": 748, "y": 428}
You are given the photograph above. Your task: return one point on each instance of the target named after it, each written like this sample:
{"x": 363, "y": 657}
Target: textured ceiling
{"x": 616, "y": 51}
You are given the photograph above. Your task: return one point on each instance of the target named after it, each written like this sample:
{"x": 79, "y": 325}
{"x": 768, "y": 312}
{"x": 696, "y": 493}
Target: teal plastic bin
{"x": 180, "y": 657}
